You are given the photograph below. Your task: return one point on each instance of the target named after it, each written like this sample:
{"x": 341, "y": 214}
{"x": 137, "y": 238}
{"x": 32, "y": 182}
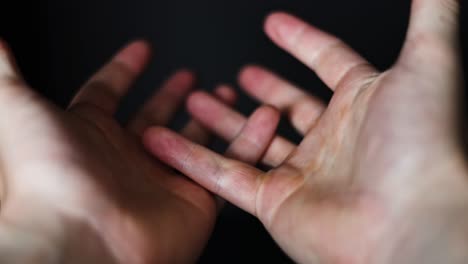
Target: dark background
{"x": 59, "y": 44}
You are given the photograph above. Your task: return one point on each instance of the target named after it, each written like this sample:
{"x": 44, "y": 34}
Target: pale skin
{"x": 79, "y": 188}
{"x": 380, "y": 176}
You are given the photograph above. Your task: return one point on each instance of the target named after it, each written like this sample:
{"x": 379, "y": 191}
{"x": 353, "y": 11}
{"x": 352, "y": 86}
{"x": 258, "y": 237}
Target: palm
{"x": 125, "y": 189}
{"x": 368, "y": 160}
{"x": 358, "y": 161}
{"x": 82, "y": 166}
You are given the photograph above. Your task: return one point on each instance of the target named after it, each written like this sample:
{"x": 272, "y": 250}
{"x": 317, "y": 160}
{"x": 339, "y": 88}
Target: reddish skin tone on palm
{"x": 380, "y": 176}
{"x": 79, "y": 188}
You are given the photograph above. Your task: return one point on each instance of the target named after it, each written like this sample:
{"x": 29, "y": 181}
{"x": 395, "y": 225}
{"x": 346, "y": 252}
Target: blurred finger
{"x": 159, "y": 109}
{"x": 255, "y": 137}
{"x": 194, "y": 131}
{"x": 106, "y": 88}
{"x": 252, "y": 142}
{"x": 14, "y": 92}
{"x": 235, "y": 181}
{"x": 227, "y": 124}
{"x": 303, "y": 109}
{"x": 8, "y": 68}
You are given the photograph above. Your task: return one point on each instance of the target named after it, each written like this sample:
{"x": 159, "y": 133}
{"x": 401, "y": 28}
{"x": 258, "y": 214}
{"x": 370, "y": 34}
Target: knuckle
{"x": 354, "y": 75}
{"x": 218, "y": 171}
{"x": 328, "y": 52}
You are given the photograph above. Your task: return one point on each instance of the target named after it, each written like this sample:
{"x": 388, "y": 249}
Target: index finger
{"x": 111, "y": 83}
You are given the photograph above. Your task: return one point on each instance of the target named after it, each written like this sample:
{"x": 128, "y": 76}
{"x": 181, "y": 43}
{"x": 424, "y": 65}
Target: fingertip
{"x": 269, "y": 18}
{"x": 183, "y": 81}
{"x": 135, "y": 55}
{"x": 8, "y": 66}
{"x": 249, "y": 68}
{"x": 274, "y": 15}
{"x": 272, "y": 20}
{"x": 252, "y": 78}
{"x": 282, "y": 27}
{"x": 163, "y": 143}
{"x": 152, "y": 135}
{"x": 249, "y": 73}
{"x": 3, "y": 45}
{"x": 186, "y": 73}
{"x": 267, "y": 115}
{"x": 224, "y": 89}
{"x": 142, "y": 45}
{"x": 196, "y": 101}
{"x": 226, "y": 93}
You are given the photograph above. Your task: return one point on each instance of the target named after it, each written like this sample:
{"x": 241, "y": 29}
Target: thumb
{"x": 432, "y": 53}
{"x": 8, "y": 69}
{"x": 433, "y": 35}
{"x": 435, "y": 18}
{"x": 432, "y": 47}
{"x": 12, "y": 85}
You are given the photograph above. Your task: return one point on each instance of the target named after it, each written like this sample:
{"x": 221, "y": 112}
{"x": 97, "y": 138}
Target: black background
{"x": 59, "y": 44}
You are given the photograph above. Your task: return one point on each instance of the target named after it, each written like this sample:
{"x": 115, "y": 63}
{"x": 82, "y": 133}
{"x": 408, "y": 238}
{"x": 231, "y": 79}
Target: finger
{"x": 437, "y": 18}
{"x": 194, "y": 131}
{"x": 333, "y": 61}
{"x": 303, "y": 109}
{"x": 235, "y": 181}
{"x": 13, "y": 88}
{"x": 159, "y": 110}
{"x": 227, "y": 124}
{"x": 252, "y": 142}
{"x": 433, "y": 36}
{"x": 255, "y": 137}
{"x": 106, "y": 88}
{"x": 8, "y": 68}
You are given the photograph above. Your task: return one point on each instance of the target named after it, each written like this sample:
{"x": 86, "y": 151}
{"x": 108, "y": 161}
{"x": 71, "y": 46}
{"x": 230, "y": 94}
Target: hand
{"x": 380, "y": 175}
{"x": 79, "y": 188}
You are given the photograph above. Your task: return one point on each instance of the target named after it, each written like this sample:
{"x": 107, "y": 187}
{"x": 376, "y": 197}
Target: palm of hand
{"x": 365, "y": 167}
{"x": 79, "y": 166}
{"x": 367, "y": 163}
